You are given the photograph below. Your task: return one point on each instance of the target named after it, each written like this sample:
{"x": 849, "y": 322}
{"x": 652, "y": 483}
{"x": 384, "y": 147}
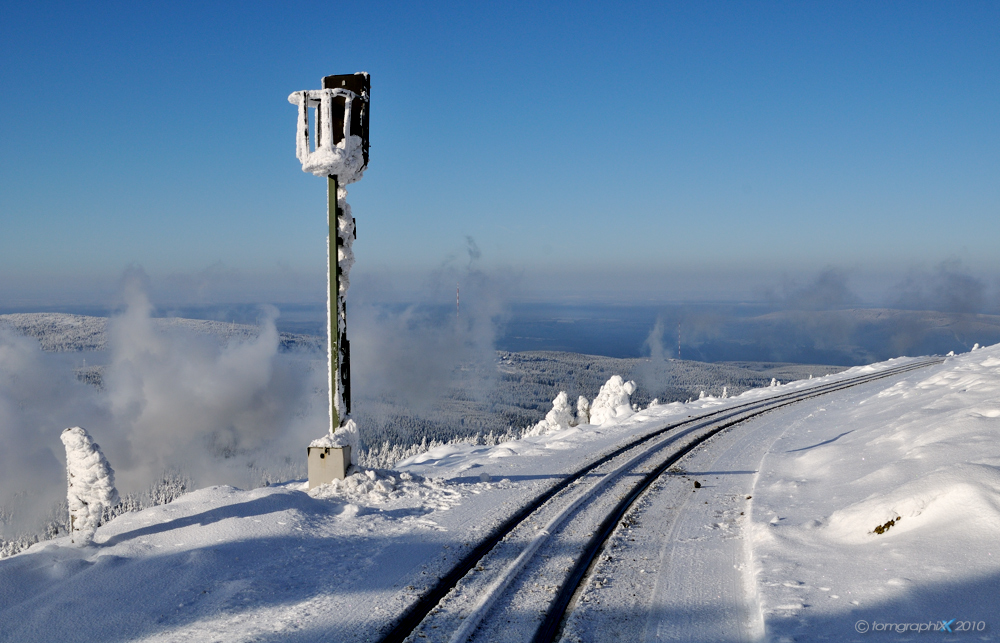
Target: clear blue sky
{"x": 674, "y": 147}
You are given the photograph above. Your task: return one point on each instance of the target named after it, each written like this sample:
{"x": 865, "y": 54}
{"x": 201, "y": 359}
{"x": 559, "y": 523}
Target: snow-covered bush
{"x": 91, "y": 484}
{"x": 612, "y": 402}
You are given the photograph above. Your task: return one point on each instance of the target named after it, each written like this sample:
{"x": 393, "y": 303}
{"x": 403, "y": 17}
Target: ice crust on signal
{"x": 344, "y": 160}
{"x": 345, "y": 260}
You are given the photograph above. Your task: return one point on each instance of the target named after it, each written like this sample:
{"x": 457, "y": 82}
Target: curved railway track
{"x": 526, "y": 572}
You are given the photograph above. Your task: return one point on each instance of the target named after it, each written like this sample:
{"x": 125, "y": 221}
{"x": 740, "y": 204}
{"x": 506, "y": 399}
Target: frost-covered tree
{"x": 91, "y": 484}
{"x": 582, "y": 410}
{"x": 612, "y": 402}
{"x": 560, "y": 417}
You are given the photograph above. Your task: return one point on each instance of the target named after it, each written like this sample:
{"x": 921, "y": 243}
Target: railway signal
{"x": 332, "y": 141}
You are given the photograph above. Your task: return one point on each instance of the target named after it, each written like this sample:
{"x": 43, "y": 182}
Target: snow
{"x": 778, "y": 541}
{"x": 918, "y": 459}
{"x": 345, "y": 436}
{"x": 378, "y": 486}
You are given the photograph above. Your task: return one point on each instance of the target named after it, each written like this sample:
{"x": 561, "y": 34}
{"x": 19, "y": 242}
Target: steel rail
{"x": 412, "y": 617}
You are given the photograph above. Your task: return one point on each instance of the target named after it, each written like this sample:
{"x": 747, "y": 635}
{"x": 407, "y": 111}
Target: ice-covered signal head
{"x": 332, "y": 134}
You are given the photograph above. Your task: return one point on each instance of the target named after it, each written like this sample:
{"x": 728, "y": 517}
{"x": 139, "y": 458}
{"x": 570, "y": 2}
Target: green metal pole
{"x": 333, "y": 319}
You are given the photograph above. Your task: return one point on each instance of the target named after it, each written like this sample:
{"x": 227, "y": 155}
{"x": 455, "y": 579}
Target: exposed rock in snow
{"x": 91, "y": 484}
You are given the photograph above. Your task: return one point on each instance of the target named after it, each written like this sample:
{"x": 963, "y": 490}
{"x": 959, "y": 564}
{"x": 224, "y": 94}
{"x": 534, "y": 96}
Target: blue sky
{"x": 648, "y": 150}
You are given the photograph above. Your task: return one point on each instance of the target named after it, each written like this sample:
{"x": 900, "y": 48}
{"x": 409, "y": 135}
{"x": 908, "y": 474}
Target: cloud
{"x": 472, "y": 249}
{"x": 421, "y": 351}
{"x": 659, "y": 350}
{"x": 948, "y": 288}
{"x": 828, "y": 291}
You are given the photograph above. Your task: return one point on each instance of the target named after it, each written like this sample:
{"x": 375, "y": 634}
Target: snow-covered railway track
{"x": 518, "y": 583}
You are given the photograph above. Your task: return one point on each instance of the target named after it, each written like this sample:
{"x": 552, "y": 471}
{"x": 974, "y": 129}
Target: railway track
{"x": 523, "y": 576}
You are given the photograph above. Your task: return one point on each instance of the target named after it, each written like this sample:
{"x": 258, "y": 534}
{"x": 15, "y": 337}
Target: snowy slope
{"x": 280, "y": 564}
{"x": 920, "y": 461}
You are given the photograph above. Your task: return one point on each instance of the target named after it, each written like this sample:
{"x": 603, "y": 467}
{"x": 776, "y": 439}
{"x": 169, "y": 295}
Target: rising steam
{"x": 171, "y": 401}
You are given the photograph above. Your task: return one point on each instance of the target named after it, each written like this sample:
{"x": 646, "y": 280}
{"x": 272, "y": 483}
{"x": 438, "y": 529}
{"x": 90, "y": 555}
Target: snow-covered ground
{"x": 918, "y": 461}
{"x": 799, "y": 560}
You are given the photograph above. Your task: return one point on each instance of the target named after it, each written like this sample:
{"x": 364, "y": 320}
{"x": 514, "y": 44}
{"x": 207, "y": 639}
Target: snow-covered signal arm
{"x": 336, "y": 146}
{"x": 340, "y": 145}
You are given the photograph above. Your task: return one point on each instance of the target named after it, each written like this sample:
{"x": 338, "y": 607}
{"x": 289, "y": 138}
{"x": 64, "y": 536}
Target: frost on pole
{"x": 332, "y": 141}
{"x": 90, "y": 484}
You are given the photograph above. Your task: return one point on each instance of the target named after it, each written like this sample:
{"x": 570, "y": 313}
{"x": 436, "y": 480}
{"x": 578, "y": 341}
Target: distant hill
{"x": 846, "y": 337}
{"x": 745, "y": 332}
{"x": 59, "y": 332}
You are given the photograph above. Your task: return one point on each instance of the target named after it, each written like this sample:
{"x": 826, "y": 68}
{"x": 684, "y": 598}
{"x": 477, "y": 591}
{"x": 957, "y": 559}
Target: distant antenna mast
{"x": 678, "y": 340}
{"x": 457, "y": 307}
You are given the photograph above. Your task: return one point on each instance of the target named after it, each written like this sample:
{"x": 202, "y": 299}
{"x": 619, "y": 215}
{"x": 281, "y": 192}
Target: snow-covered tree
{"x": 582, "y": 410}
{"x": 612, "y": 402}
{"x": 560, "y": 417}
{"x": 91, "y": 484}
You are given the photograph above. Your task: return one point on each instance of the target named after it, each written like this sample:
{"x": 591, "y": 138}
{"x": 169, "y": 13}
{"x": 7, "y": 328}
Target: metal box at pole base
{"x": 327, "y": 464}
